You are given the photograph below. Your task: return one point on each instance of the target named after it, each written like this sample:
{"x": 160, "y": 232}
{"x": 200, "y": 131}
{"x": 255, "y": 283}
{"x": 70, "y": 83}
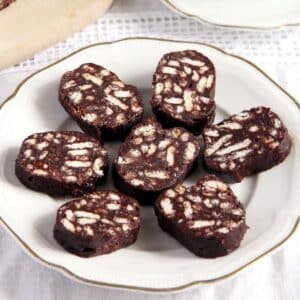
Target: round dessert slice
{"x": 244, "y": 144}
{"x": 152, "y": 159}
{"x": 98, "y": 223}
{"x": 183, "y": 90}
{"x": 101, "y": 104}
{"x": 206, "y": 218}
{"x": 61, "y": 163}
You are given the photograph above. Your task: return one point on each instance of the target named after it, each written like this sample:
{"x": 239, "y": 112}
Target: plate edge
{"x": 201, "y": 19}
{"x": 176, "y": 289}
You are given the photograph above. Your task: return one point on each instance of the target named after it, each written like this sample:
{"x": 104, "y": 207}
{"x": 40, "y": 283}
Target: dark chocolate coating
{"x": 98, "y": 223}
{"x": 102, "y": 105}
{"x": 259, "y": 140}
{"x": 62, "y": 163}
{"x": 206, "y": 218}
{"x": 183, "y": 91}
{"x": 152, "y": 159}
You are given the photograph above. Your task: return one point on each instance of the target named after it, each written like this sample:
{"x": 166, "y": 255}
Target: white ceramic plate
{"x": 255, "y": 14}
{"x": 156, "y": 263}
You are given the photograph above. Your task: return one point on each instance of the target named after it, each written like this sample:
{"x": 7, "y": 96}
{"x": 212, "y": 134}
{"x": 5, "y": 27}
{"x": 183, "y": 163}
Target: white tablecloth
{"x": 275, "y": 277}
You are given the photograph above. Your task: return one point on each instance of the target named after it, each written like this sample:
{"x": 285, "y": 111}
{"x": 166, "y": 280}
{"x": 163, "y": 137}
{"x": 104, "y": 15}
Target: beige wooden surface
{"x": 28, "y": 26}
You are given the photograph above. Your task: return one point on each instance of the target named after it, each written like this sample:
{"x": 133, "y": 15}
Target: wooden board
{"x": 29, "y": 26}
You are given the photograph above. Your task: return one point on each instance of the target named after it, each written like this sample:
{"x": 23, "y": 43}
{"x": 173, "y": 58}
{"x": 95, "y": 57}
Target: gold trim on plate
{"x": 135, "y": 288}
{"x": 173, "y": 7}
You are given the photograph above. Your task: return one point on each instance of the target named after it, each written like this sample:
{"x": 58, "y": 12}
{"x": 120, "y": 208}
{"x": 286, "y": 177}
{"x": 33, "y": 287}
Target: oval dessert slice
{"x": 183, "y": 90}
{"x": 244, "y": 144}
{"x": 61, "y": 163}
{"x": 206, "y": 218}
{"x": 98, "y": 223}
{"x": 101, "y": 104}
{"x": 152, "y": 159}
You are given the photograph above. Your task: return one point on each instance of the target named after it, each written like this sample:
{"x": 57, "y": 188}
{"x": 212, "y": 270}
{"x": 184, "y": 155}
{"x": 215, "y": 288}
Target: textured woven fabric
{"x": 281, "y": 47}
{"x": 275, "y": 277}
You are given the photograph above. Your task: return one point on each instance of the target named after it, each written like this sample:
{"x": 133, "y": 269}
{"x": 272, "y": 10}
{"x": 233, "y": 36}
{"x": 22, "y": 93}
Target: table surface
{"x": 274, "y": 277}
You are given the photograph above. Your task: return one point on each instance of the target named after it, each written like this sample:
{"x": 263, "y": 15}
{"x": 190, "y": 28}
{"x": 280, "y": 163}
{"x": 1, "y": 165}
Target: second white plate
{"x": 255, "y": 14}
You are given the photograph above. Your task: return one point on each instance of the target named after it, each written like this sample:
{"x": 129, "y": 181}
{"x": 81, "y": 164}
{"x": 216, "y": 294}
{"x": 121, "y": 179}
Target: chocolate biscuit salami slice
{"x": 183, "y": 91}
{"x": 206, "y": 218}
{"x": 98, "y": 223}
{"x": 61, "y": 163}
{"x": 5, "y": 3}
{"x": 101, "y": 104}
{"x": 244, "y": 144}
{"x": 152, "y": 159}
